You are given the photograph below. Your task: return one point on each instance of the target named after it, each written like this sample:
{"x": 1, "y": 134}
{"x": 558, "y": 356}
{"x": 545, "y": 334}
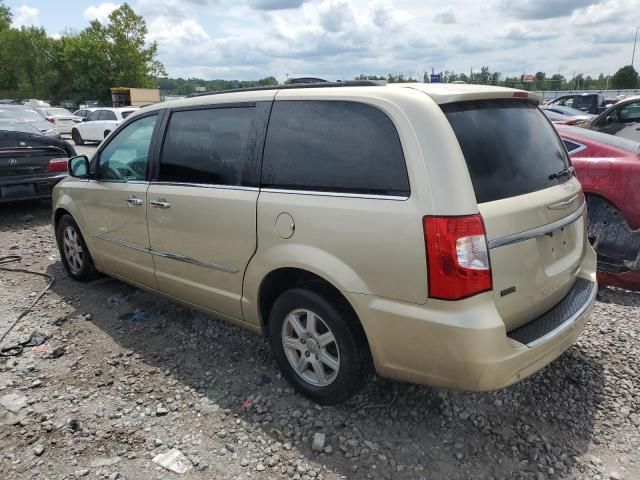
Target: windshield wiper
{"x": 567, "y": 171}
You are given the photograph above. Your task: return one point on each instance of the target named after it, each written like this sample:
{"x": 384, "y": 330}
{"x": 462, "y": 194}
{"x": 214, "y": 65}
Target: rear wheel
{"x": 73, "y": 250}
{"x": 76, "y": 137}
{"x": 318, "y": 344}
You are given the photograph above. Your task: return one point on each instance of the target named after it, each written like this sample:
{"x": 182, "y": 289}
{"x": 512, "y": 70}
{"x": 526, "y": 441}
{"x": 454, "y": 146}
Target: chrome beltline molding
{"x": 173, "y": 256}
{"x": 570, "y": 321}
{"x": 538, "y": 231}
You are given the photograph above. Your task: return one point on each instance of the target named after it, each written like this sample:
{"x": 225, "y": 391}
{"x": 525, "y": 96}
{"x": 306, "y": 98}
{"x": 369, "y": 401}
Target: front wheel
{"x": 319, "y": 345}
{"x": 73, "y": 250}
{"x": 76, "y": 137}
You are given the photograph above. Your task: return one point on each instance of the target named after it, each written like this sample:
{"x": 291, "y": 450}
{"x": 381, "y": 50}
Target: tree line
{"x": 81, "y": 66}
{"x": 77, "y": 66}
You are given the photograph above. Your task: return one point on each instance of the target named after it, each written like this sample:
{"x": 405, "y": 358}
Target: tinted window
{"x": 571, "y": 146}
{"x": 509, "y": 146}
{"x": 126, "y": 155}
{"x": 630, "y": 112}
{"x": 207, "y": 146}
{"x": 126, "y": 114}
{"x": 109, "y": 115}
{"x": 333, "y": 146}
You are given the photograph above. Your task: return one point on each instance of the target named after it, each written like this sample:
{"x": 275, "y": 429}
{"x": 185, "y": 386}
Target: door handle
{"x": 160, "y": 203}
{"x": 133, "y": 201}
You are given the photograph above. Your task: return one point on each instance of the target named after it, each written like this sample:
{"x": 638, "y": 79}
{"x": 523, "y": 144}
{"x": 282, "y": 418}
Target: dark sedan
{"x": 30, "y": 163}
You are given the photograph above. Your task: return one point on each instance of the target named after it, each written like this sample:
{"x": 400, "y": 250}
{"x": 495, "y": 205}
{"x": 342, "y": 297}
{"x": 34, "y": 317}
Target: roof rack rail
{"x": 307, "y": 80}
{"x": 317, "y": 83}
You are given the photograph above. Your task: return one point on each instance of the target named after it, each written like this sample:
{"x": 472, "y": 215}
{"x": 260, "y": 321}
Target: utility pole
{"x": 633, "y": 55}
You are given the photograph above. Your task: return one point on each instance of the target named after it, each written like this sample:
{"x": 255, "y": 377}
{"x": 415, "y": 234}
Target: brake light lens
{"x": 51, "y": 120}
{"x": 57, "y": 165}
{"x": 457, "y": 257}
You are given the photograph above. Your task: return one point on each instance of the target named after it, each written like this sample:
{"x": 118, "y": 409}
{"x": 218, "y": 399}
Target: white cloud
{"x": 598, "y": 14}
{"x": 520, "y": 32}
{"x": 339, "y": 39}
{"x": 100, "y": 12}
{"x": 445, "y": 16}
{"x": 25, "y": 16}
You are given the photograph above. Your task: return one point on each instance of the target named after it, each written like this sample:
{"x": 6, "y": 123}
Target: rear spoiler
{"x": 26, "y": 149}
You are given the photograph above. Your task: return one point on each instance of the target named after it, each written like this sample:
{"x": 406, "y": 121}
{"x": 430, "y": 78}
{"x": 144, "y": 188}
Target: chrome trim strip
{"x": 206, "y": 185}
{"x": 335, "y": 194}
{"x": 137, "y": 182}
{"x": 193, "y": 261}
{"x": 173, "y": 256}
{"x": 570, "y": 321}
{"x": 564, "y": 204}
{"x": 538, "y": 231}
{"x": 124, "y": 243}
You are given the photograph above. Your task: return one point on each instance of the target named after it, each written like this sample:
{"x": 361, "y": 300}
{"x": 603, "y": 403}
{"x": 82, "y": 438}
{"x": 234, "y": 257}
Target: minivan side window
{"x": 93, "y": 116}
{"x": 333, "y": 146}
{"x": 109, "y": 115}
{"x": 207, "y": 146}
{"x": 126, "y": 155}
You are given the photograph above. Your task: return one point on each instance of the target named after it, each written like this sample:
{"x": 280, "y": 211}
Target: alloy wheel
{"x": 310, "y": 347}
{"x": 73, "y": 250}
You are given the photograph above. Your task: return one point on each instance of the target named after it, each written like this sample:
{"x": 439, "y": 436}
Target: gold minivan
{"x": 431, "y": 233}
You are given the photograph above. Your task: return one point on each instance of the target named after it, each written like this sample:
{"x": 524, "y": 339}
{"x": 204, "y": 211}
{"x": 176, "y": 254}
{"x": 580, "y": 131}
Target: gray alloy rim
{"x": 73, "y": 251}
{"x": 310, "y": 347}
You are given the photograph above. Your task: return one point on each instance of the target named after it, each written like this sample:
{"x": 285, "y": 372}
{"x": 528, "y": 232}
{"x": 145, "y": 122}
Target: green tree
{"x": 626, "y": 77}
{"x": 133, "y": 63}
{"x": 5, "y": 17}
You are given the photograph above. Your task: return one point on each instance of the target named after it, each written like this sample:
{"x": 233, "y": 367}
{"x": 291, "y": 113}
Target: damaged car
{"x": 609, "y": 169}
{"x": 30, "y": 163}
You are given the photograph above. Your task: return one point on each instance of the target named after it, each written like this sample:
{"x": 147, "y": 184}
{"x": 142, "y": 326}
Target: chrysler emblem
{"x": 12, "y": 162}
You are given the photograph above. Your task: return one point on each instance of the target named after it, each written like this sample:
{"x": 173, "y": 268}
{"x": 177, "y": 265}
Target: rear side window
{"x": 109, "y": 115}
{"x": 333, "y": 146}
{"x": 510, "y": 147}
{"x": 207, "y": 146}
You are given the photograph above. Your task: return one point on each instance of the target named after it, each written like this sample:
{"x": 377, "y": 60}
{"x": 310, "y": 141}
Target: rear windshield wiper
{"x": 567, "y": 171}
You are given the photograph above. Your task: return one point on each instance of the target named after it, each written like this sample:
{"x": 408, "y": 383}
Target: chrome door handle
{"x": 160, "y": 203}
{"x": 133, "y": 201}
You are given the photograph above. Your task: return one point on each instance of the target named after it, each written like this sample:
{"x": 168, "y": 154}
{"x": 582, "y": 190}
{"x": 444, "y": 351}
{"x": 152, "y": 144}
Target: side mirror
{"x": 84, "y": 119}
{"x": 79, "y": 166}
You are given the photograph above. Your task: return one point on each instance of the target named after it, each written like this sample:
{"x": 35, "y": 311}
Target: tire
{"x": 76, "y": 137}
{"x": 106, "y": 132}
{"x": 74, "y": 253}
{"x": 349, "y": 346}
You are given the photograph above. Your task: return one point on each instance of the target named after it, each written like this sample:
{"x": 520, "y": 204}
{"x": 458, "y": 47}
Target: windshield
{"x": 17, "y": 127}
{"x": 58, "y": 111}
{"x": 510, "y": 147}
{"x": 21, "y": 114}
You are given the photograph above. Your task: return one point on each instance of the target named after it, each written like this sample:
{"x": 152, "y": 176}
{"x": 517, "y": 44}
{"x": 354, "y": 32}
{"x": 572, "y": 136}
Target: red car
{"x": 609, "y": 169}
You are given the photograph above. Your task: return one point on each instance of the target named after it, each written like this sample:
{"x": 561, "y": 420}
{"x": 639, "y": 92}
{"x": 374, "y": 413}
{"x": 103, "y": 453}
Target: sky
{"x": 339, "y": 39}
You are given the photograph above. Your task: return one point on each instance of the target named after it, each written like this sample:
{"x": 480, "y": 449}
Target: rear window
{"x": 510, "y": 147}
{"x": 333, "y": 146}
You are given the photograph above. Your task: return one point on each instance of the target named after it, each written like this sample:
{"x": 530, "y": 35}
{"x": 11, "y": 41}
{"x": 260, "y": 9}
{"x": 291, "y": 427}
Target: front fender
{"x": 66, "y": 195}
{"x": 304, "y": 257}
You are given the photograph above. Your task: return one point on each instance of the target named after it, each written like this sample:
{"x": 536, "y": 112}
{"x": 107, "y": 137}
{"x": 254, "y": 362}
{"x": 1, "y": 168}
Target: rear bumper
{"x": 464, "y": 345}
{"x": 28, "y": 187}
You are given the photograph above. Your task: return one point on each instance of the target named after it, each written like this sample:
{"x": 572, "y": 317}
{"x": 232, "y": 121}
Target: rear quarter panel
{"x": 615, "y": 179}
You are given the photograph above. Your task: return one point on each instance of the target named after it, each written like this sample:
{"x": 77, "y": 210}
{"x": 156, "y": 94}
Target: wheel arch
{"x": 282, "y": 279}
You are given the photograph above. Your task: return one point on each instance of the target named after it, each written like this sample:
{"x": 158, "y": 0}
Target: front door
{"x": 202, "y": 206}
{"x": 116, "y": 203}
{"x": 622, "y": 121}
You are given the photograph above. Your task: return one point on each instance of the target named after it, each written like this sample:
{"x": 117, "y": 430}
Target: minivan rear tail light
{"x": 57, "y": 165}
{"x": 457, "y": 257}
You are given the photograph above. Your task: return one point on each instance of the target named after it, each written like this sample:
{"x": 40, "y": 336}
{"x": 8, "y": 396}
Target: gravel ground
{"x": 125, "y": 376}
